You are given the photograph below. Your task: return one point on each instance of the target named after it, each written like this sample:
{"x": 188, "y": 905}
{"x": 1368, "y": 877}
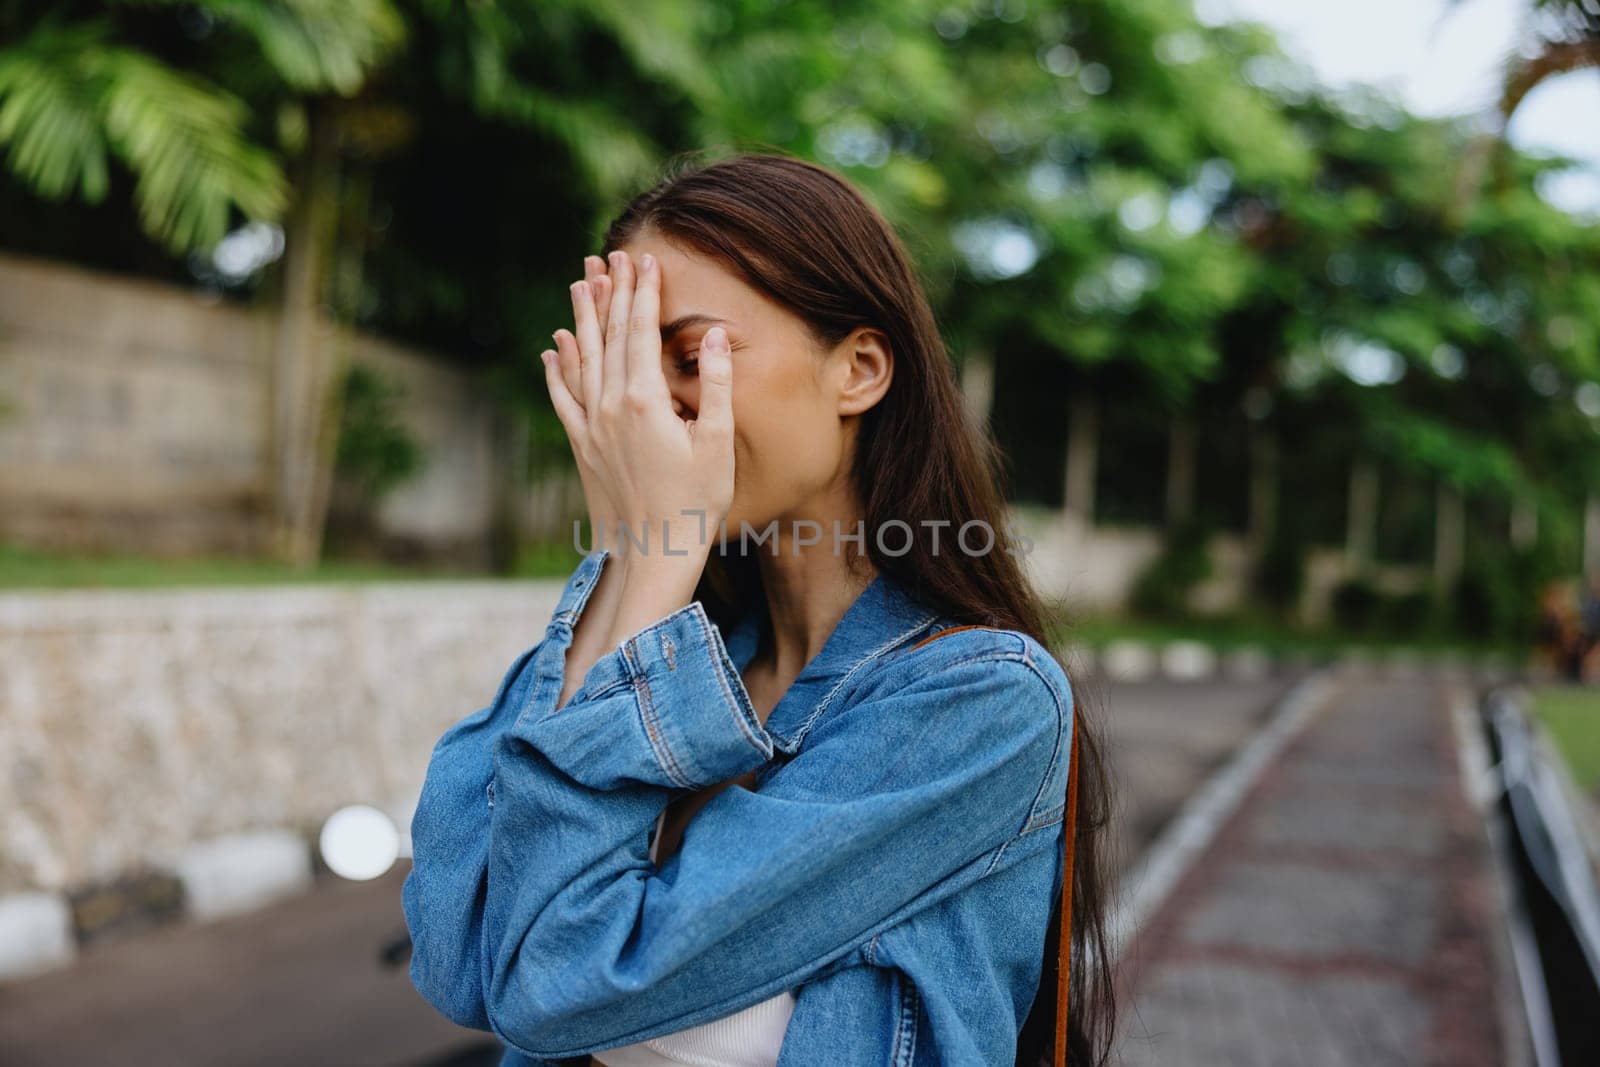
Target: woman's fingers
{"x": 714, "y": 421}
{"x": 614, "y": 366}
{"x": 569, "y": 362}
{"x": 602, "y": 292}
{"x": 568, "y": 410}
{"x": 591, "y": 344}
{"x": 645, "y": 378}
{"x": 594, "y": 272}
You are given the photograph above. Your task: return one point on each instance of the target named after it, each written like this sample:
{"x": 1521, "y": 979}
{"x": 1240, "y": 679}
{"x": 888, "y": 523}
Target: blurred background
{"x": 1287, "y": 316}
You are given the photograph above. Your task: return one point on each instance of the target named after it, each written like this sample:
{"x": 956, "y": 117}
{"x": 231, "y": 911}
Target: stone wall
{"x": 135, "y": 724}
{"x": 136, "y": 417}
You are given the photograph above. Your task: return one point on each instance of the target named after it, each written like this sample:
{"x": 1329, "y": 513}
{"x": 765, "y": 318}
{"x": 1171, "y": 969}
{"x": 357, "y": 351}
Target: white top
{"x": 748, "y": 1038}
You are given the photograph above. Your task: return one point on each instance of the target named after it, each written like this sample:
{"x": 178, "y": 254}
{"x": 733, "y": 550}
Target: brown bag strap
{"x": 1064, "y": 973}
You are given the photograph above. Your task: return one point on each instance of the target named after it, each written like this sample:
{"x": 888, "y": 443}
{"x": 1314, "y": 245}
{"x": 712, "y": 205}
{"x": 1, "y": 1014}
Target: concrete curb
{"x": 237, "y": 873}
{"x": 1189, "y": 660}
{"x": 224, "y": 876}
{"x": 1192, "y": 830}
{"x": 36, "y": 934}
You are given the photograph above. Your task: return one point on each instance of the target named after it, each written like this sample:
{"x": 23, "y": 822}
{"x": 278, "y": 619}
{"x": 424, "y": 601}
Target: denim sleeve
{"x": 897, "y": 801}
{"x": 443, "y": 894}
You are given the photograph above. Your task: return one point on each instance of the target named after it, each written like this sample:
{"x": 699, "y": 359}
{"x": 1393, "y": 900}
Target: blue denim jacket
{"x": 895, "y": 865}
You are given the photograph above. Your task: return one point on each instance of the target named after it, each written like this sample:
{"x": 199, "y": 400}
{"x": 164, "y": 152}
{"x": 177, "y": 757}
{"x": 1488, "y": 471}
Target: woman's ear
{"x": 868, "y": 370}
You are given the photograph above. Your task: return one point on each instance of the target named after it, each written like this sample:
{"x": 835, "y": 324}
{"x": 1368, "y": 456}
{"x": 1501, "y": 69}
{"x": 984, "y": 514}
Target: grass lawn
{"x": 1572, "y": 715}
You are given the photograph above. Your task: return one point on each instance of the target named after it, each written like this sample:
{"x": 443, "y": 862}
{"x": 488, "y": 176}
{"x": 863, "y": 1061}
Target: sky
{"x": 1440, "y": 59}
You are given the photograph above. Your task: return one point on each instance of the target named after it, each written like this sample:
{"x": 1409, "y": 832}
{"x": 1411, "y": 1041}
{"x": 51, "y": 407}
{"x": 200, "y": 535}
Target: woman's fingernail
{"x": 647, "y": 261}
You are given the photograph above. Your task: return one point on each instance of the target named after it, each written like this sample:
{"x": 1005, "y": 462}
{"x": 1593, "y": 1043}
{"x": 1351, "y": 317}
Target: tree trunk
{"x": 1591, "y": 536}
{"x": 1449, "y": 530}
{"x": 512, "y": 489}
{"x": 1361, "y": 524}
{"x": 1263, "y": 488}
{"x": 305, "y": 350}
{"x": 1524, "y": 521}
{"x": 1181, "y": 470}
{"x": 1082, "y": 441}
{"x": 977, "y": 386}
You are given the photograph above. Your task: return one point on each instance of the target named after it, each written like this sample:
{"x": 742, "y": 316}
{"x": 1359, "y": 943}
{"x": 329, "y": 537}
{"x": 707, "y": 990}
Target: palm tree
{"x": 76, "y": 96}
{"x": 1567, "y": 38}
{"x": 1564, "y": 36}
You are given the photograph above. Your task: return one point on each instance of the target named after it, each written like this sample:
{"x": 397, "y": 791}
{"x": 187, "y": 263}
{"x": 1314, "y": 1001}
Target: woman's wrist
{"x": 590, "y": 640}
{"x": 652, "y": 588}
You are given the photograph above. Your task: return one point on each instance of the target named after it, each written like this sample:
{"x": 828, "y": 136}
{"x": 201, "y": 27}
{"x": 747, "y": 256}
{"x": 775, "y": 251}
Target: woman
{"x": 739, "y": 806}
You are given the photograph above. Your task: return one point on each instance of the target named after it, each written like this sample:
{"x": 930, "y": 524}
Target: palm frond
{"x": 313, "y": 45}
{"x": 49, "y": 115}
{"x": 614, "y": 156}
{"x": 1524, "y": 74}
{"x": 662, "y": 41}
{"x": 70, "y": 99}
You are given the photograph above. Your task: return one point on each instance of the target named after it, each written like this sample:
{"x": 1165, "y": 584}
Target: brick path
{"x": 1343, "y": 916}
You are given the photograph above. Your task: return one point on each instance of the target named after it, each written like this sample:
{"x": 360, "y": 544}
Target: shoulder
{"x": 987, "y": 706}
{"x": 977, "y": 685}
{"x": 951, "y": 652}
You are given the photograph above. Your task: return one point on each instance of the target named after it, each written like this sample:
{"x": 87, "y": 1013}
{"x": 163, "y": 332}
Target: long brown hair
{"x": 808, "y": 239}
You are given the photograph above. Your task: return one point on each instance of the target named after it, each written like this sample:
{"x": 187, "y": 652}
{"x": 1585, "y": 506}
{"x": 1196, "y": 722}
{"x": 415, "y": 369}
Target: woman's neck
{"x": 806, "y": 596}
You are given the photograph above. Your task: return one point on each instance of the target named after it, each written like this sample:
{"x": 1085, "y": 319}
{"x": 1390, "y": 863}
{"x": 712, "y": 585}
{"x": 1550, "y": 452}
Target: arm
{"x": 443, "y": 894}
{"x": 897, "y": 801}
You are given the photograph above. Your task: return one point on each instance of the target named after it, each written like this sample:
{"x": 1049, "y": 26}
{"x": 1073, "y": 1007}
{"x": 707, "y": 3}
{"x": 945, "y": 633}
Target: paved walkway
{"x": 1343, "y": 916}
{"x": 1164, "y": 739}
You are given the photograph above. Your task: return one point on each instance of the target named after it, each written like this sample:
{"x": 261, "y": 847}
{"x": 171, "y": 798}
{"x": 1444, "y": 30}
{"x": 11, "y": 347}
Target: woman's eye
{"x": 686, "y": 363}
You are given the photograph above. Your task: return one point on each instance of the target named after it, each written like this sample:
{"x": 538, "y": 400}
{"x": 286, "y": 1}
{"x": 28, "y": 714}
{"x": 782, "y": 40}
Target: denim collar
{"x": 883, "y": 616}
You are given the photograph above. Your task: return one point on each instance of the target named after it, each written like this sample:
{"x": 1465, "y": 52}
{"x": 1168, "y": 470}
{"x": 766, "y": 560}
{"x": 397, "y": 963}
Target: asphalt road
{"x": 298, "y": 983}
{"x": 301, "y": 982}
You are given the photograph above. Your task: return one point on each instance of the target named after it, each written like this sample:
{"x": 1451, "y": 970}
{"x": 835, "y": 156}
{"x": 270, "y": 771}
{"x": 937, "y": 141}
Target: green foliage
{"x": 1191, "y": 219}
{"x": 70, "y": 100}
{"x": 1406, "y": 615}
{"x": 375, "y": 450}
{"x": 1279, "y": 577}
{"x": 78, "y": 96}
{"x": 1163, "y": 589}
{"x": 1356, "y": 605}
{"x": 1497, "y": 596}
{"x": 312, "y": 45}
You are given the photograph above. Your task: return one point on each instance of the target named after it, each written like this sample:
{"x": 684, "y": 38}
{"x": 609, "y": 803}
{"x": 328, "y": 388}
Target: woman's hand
{"x": 670, "y": 480}
{"x": 602, "y": 512}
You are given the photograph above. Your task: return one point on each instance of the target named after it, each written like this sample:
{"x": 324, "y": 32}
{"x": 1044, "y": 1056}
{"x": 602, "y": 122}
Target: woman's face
{"x": 791, "y": 401}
